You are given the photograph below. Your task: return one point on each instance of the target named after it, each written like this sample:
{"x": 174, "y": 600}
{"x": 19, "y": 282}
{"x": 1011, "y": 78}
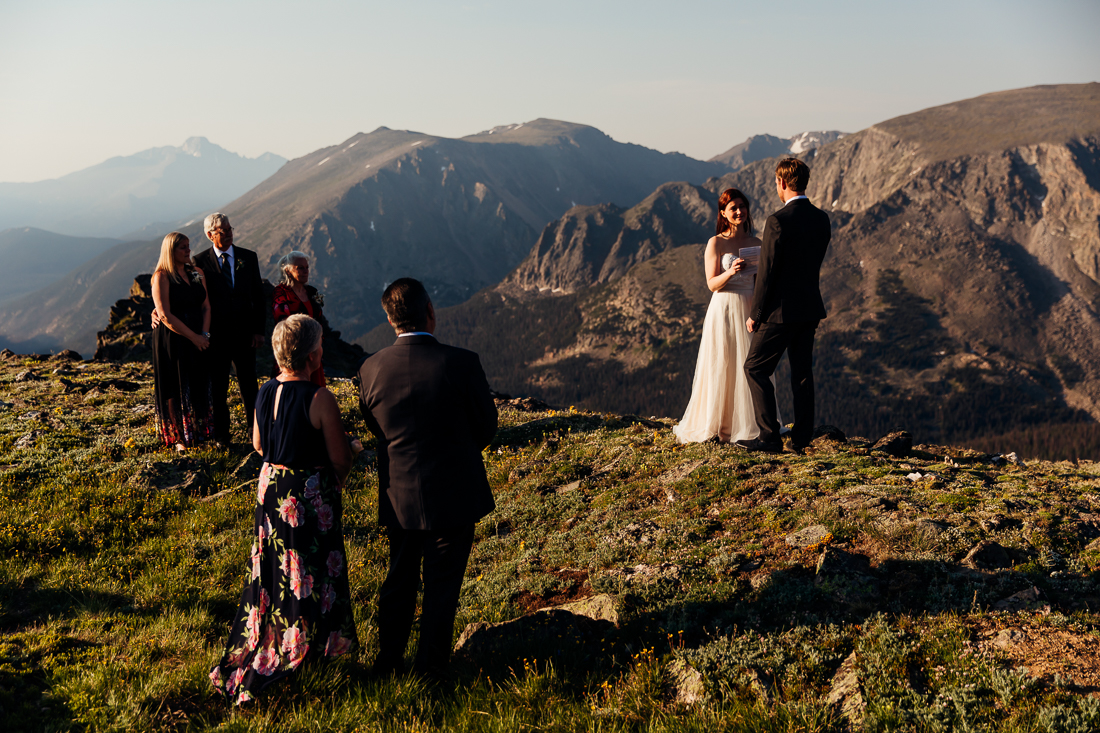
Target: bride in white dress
{"x": 721, "y": 405}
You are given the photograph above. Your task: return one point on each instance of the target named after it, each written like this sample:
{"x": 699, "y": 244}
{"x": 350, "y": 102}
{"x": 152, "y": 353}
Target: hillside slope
{"x": 683, "y": 587}
{"x": 34, "y": 258}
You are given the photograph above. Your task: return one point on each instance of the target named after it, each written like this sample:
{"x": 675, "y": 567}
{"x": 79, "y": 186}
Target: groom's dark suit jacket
{"x": 795, "y": 240}
{"x": 430, "y": 407}
{"x": 238, "y": 313}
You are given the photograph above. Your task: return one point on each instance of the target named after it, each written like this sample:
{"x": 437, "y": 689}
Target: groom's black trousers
{"x": 768, "y": 344}
{"x": 444, "y": 554}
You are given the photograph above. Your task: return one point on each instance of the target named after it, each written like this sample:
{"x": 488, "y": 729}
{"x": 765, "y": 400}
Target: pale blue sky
{"x": 84, "y": 81}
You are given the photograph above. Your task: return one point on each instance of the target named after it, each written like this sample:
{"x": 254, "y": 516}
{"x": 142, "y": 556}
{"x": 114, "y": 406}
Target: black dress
{"x": 180, "y": 372}
{"x": 297, "y": 603}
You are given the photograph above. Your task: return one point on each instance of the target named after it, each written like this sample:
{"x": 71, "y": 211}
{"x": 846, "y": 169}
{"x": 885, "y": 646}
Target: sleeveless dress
{"x": 180, "y": 371}
{"x": 721, "y": 404}
{"x": 297, "y": 604}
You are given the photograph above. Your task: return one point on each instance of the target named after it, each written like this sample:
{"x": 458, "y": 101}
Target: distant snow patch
{"x": 520, "y": 125}
{"x": 442, "y": 167}
{"x": 324, "y": 161}
{"x": 416, "y": 143}
{"x": 352, "y": 145}
{"x": 835, "y": 203}
{"x": 372, "y": 229}
{"x": 558, "y": 188}
{"x": 574, "y": 203}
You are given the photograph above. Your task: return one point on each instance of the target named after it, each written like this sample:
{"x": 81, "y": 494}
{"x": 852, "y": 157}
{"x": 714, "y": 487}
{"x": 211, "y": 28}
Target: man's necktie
{"x": 227, "y": 273}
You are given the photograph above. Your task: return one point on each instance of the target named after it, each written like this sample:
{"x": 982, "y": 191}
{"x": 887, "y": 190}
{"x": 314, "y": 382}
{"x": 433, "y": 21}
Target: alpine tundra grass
{"x": 823, "y": 592}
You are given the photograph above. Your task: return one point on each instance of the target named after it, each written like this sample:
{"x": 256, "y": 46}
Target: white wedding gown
{"x": 720, "y": 400}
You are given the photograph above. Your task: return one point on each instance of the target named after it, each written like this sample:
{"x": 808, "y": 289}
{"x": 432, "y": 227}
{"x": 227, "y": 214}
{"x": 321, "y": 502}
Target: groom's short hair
{"x": 794, "y": 173}
{"x": 406, "y": 304}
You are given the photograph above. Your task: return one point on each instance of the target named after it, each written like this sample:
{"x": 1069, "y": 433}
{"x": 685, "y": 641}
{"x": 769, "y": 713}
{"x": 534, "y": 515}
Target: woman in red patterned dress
{"x": 294, "y": 295}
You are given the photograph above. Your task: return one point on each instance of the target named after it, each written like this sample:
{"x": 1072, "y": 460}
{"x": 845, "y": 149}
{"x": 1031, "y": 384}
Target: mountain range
{"x": 963, "y": 281}
{"x": 759, "y": 147}
{"x": 122, "y": 195}
{"x": 457, "y": 213}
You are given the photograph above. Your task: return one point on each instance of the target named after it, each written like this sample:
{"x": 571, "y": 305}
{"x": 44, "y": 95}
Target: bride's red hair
{"x": 723, "y": 201}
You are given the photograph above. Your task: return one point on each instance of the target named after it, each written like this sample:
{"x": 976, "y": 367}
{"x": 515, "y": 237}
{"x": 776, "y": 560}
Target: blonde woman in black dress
{"x": 181, "y": 377}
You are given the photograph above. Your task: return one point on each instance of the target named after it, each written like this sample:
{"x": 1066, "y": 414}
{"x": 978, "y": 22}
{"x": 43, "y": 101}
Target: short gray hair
{"x": 294, "y": 340}
{"x": 213, "y": 222}
{"x": 287, "y": 261}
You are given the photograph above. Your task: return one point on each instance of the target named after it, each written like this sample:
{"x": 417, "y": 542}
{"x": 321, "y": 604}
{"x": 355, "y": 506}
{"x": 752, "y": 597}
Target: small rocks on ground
{"x": 27, "y": 376}
{"x": 987, "y": 555}
{"x": 553, "y": 631}
{"x": 997, "y": 522}
{"x": 679, "y": 472}
{"x": 1007, "y": 638}
{"x": 845, "y": 692}
{"x": 29, "y": 440}
{"x": 1007, "y": 458}
{"x": 647, "y": 574}
{"x": 807, "y": 536}
{"x": 825, "y": 433}
{"x": 834, "y": 561}
{"x": 687, "y": 683}
{"x": 897, "y": 443}
{"x": 1027, "y": 599}
{"x": 602, "y": 607}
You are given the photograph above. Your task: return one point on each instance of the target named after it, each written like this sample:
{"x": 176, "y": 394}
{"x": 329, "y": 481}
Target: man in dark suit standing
{"x": 430, "y": 407}
{"x": 786, "y": 308}
{"x": 238, "y": 316}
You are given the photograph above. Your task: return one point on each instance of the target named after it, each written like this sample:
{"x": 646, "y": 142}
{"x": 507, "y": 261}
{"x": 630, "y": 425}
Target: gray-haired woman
{"x": 297, "y": 603}
{"x": 295, "y": 295}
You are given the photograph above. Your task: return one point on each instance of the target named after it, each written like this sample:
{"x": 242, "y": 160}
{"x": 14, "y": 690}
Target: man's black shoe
{"x": 760, "y": 446}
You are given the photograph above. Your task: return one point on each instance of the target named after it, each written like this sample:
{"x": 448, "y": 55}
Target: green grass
{"x": 121, "y": 565}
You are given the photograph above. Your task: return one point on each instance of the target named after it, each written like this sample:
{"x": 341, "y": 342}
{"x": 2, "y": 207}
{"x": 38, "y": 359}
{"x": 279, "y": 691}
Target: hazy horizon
{"x": 86, "y": 83}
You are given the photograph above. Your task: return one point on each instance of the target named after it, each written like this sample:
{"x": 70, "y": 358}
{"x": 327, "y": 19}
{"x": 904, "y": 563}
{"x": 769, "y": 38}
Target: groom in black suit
{"x": 430, "y": 407}
{"x": 786, "y": 308}
{"x": 238, "y": 316}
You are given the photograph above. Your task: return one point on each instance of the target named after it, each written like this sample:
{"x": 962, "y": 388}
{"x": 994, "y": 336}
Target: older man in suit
{"x": 430, "y": 407}
{"x": 238, "y": 319}
{"x": 786, "y": 308}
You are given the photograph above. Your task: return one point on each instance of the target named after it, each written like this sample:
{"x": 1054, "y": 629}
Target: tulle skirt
{"x": 721, "y": 404}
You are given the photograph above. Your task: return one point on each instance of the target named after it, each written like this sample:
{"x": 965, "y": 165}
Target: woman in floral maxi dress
{"x": 297, "y": 603}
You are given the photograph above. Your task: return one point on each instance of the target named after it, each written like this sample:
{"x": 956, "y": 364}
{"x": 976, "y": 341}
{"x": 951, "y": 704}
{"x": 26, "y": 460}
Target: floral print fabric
{"x": 297, "y": 603}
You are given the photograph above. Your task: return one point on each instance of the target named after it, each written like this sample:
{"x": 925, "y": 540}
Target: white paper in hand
{"x": 746, "y": 279}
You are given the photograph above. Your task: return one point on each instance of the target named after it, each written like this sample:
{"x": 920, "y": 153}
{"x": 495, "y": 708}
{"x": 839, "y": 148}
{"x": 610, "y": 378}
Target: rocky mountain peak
{"x": 196, "y": 146}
